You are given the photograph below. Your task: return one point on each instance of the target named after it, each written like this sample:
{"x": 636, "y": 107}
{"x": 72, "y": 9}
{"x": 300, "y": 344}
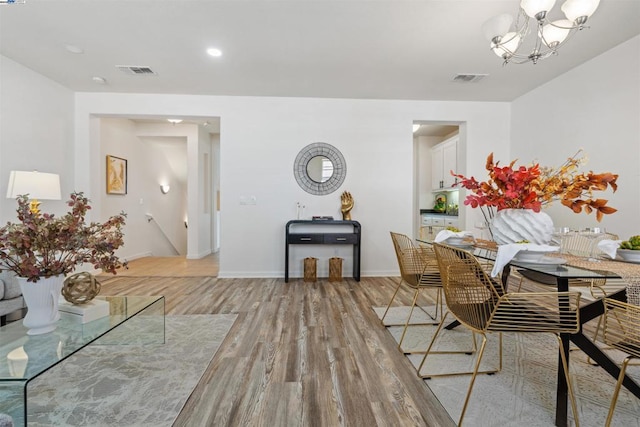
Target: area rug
{"x": 524, "y": 392}
{"x": 129, "y": 385}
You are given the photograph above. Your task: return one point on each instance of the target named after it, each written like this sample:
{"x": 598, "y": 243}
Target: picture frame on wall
{"x": 116, "y": 175}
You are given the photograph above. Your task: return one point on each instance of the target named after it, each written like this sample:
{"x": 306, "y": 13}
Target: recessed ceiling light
{"x": 99, "y": 80}
{"x": 214, "y": 52}
{"x": 74, "y": 49}
{"x": 174, "y": 121}
{"x": 416, "y": 127}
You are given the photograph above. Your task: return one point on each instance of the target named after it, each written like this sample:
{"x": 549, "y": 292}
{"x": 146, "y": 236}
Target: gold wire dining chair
{"x": 419, "y": 271}
{"x": 579, "y": 245}
{"x": 481, "y": 305}
{"x": 621, "y": 331}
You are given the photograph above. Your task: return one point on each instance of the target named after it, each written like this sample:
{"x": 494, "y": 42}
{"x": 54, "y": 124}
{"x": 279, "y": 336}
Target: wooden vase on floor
{"x": 335, "y": 269}
{"x": 310, "y": 268}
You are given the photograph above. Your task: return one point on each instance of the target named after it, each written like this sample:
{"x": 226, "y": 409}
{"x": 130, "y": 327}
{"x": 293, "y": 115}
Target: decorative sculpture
{"x": 347, "y": 205}
{"x": 80, "y": 288}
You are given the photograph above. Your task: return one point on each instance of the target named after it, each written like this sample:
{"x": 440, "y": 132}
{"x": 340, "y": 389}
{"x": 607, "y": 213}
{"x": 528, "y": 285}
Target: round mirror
{"x": 320, "y": 169}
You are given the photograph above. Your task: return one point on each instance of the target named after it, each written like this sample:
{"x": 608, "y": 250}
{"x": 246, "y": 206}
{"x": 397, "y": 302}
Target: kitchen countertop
{"x": 434, "y": 213}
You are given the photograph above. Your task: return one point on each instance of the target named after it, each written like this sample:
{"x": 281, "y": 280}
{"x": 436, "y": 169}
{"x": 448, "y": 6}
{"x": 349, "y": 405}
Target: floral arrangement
{"x": 42, "y": 245}
{"x": 534, "y": 186}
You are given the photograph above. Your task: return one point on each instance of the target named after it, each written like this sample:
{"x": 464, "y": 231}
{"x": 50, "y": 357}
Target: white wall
{"x": 259, "y": 141}
{"x": 36, "y": 132}
{"x": 596, "y": 107}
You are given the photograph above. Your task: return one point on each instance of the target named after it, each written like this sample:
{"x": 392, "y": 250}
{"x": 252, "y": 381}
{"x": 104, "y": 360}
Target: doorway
{"x": 437, "y": 149}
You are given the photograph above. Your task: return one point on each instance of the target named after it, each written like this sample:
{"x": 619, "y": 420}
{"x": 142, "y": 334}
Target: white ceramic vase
{"x": 516, "y": 225}
{"x": 41, "y": 299}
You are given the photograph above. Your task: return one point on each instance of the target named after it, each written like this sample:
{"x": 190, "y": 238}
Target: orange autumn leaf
{"x": 534, "y": 186}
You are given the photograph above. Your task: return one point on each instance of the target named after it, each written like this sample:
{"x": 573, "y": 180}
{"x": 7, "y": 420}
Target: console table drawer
{"x": 347, "y": 238}
{"x": 306, "y": 238}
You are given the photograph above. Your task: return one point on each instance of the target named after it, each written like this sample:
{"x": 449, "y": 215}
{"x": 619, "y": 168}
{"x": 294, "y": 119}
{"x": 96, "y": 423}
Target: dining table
{"x": 569, "y": 269}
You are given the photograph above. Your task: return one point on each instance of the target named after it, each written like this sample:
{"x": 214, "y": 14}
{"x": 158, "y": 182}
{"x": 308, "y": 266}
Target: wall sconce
{"x": 164, "y": 188}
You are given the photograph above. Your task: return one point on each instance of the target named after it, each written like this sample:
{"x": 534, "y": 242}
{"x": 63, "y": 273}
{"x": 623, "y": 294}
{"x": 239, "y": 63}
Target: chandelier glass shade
{"x": 510, "y": 41}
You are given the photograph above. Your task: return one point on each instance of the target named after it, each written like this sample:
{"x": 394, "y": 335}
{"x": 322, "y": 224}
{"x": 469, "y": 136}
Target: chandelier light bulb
{"x": 556, "y": 32}
{"x": 507, "y": 45}
{"x": 537, "y": 8}
{"x": 497, "y": 26}
{"x": 576, "y": 9}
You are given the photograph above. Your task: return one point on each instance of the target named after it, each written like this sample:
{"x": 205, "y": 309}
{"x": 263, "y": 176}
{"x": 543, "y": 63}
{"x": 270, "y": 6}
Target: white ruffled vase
{"x": 41, "y": 299}
{"x": 516, "y": 225}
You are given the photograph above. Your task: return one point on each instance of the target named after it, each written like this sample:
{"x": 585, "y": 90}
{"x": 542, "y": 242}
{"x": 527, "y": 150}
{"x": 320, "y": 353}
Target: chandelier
{"x": 510, "y": 44}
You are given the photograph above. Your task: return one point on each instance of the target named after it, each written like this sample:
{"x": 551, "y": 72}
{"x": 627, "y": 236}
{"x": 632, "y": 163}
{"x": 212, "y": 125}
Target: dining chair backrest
{"x": 622, "y": 326}
{"x": 579, "y": 245}
{"x": 470, "y": 293}
{"x": 418, "y": 265}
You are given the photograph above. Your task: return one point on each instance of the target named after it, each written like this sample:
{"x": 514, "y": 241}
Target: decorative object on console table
{"x": 346, "y": 205}
{"x": 57, "y": 245}
{"x": 531, "y": 188}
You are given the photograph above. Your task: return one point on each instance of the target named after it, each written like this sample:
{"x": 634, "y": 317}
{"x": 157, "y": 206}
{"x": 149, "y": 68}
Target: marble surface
{"x": 132, "y": 385}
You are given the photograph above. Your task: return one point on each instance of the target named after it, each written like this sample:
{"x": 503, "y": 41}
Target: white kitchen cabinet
{"x": 444, "y": 159}
{"x": 431, "y": 225}
{"x": 451, "y": 222}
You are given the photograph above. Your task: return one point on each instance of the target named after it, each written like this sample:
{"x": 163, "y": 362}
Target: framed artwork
{"x": 116, "y": 175}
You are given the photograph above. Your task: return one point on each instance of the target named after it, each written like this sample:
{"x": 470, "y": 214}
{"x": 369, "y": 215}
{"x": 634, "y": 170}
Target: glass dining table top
{"x": 557, "y": 270}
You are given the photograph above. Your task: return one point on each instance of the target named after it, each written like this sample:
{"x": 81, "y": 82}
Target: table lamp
{"x": 38, "y": 185}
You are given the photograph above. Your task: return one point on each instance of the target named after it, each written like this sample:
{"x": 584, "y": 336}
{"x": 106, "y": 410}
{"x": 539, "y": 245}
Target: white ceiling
{"x": 302, "y": 48}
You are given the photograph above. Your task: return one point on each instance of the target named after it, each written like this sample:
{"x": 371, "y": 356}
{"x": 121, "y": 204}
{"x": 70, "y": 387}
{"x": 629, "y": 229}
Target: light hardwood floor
{"x": 299, "y": 354}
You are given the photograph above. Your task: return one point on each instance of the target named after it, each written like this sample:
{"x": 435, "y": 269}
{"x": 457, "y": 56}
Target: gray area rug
{"x": 129, "y": 385}
{"x": 524, "y": 392}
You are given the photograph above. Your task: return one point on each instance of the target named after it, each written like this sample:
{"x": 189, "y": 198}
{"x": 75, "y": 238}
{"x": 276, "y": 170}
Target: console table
{"x": 132, "y": 320}
{"x": 323, "y": 237}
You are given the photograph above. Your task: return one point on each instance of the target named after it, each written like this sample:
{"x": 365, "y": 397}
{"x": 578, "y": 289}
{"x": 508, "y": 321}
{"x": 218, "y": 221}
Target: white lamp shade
{"x": 555, "y": 33}
{"x": 574, "y": 9}
{"x": 497, "y": 26}
{"x": 508, "y": 45}
{"x": 38, "y": 185}
{"x": 533, "y": 7}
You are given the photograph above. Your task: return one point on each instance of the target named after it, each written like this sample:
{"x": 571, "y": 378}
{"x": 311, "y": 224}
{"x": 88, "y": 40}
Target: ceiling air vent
{"x": 136, "y": 70}
{"x": 468, "y": 78}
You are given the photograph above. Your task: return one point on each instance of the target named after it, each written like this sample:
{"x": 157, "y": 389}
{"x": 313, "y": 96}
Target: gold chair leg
{"x": 614, "y": 400}
{"x": 473, "y": 350}
{"x": 567, "y": 377}
{"x": 473, "y": 377}
{"x": 406, "y": 324}
{"x": 391, "y": 302}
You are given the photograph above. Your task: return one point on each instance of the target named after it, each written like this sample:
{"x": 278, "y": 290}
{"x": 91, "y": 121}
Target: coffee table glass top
{"x": 23, "y": 357}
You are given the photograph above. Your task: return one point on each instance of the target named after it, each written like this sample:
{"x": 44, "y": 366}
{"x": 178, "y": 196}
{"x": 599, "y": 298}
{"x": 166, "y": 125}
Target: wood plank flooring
{"x": 299, "y": 354}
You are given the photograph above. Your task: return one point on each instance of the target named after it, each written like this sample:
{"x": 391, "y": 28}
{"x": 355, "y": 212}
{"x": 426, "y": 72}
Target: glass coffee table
{"x": 131, "y": 320}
